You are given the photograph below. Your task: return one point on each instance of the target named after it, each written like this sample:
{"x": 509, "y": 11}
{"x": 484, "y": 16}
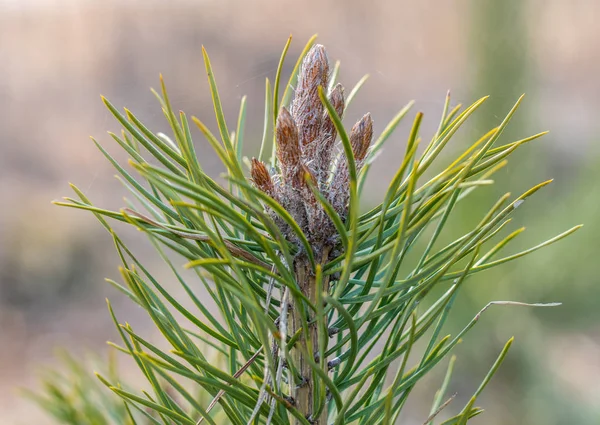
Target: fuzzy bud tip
{"x": 315, "y": 66}
{"x": 307, "y": 107}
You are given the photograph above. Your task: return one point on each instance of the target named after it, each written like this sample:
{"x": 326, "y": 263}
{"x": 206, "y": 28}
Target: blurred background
{"x": 59, "y": 56}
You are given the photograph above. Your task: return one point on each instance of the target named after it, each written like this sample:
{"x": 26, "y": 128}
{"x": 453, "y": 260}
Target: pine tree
{"x": 326, "y": 313}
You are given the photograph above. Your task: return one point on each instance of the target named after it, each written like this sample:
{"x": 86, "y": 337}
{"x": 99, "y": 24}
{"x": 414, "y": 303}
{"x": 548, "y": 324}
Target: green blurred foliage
{"x": 531, "y": 390}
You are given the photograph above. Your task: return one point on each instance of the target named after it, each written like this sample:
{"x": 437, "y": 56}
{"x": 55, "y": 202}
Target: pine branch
{"x": 299, "y": 309}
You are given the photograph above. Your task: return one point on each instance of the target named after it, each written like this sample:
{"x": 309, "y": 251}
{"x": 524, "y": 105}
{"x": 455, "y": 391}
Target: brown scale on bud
{"x": 288, "y": 148}
{"x": 328, "y": 135}
{"x": 261, "y": 177}
{"x": 307, "y": 108}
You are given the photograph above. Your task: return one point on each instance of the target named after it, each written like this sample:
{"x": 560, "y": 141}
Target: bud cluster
{"x": 308, "y": 158}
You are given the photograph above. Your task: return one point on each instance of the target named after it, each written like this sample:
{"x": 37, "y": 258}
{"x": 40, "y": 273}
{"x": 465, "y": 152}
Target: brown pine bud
{"x": 307, "y": 108}
{"x": 288, "y": 148}
{"x": 361, "y": 136}
{"x": 261, "y": 177}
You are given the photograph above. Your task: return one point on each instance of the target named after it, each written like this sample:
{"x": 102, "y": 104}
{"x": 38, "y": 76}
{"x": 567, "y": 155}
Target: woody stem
{"x": 308, "y": 392}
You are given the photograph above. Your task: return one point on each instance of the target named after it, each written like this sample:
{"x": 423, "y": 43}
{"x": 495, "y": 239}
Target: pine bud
{"x": 288, "y": 148}
{"x": 261, "y": 177}
{"x": 361, "y": 136}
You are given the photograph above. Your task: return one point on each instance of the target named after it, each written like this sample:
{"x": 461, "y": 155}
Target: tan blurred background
{"x": 57, "y": 57}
